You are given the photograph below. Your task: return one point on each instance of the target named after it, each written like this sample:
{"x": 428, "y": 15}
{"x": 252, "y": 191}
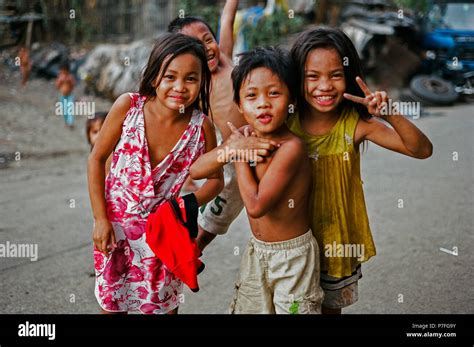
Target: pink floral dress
{"x": 131, "y": 278}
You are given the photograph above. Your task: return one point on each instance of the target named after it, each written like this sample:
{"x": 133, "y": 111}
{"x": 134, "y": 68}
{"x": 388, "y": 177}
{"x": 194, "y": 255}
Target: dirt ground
{"x": 44, "y": 201}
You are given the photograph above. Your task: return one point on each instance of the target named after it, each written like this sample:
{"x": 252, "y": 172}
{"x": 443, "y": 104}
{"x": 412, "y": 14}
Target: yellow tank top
{"x": 338, "y": 214}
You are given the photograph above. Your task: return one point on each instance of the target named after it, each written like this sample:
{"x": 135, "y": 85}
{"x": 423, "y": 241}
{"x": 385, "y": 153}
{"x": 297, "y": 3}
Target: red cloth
{"x": 169, "y": 239}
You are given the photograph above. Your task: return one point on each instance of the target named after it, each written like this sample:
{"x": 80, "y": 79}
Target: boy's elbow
{"x": 427, "y": 152}
{"x": 256, "y": 211}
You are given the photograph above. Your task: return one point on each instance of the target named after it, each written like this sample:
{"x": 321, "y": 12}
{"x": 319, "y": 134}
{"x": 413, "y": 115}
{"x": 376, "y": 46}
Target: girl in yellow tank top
{"x": 337, "y": 112}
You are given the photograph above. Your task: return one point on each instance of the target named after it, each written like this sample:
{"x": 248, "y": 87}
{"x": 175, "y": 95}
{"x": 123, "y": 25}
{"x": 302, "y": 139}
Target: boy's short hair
{"x": 273, "y": 58}
{"x": 177, "y": 24}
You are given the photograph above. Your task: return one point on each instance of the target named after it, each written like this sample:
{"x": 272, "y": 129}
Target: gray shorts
{"x": 341, "y": 292}
{"x": 216, "y": 216}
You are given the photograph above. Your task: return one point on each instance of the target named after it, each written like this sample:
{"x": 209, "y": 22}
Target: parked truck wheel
{"x": 434, "y": 89}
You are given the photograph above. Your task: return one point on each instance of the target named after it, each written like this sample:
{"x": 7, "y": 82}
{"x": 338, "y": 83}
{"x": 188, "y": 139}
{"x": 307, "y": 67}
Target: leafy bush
{"x": 210, "y": 13}
{"x": 415, "y": 5}
{"x": 271, "y": 29}
{"x": 268, "y": 31}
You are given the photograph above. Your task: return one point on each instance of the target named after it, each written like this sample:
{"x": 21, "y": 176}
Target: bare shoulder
{"x": 123, "y": 101}
{"x": 295, "y": 144}
{"x": 119, "y": 109}
{"x": 111, "y": 130}
{"x": 294, "y": 149}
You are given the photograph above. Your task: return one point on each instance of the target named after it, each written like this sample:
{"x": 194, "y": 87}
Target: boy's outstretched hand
{"x": 376, "y": 103}
{"x": 226, "y": 37}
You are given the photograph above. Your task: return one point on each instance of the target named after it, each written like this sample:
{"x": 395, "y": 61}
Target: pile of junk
{"x": 27, "y": 30}
{"x": 431, "y": 52}
{"x": 426, "y": 55}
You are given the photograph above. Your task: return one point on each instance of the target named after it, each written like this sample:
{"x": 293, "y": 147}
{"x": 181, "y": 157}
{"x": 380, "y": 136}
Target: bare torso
{"x": 289, "y": 217}
{"x": 222, "y": 105}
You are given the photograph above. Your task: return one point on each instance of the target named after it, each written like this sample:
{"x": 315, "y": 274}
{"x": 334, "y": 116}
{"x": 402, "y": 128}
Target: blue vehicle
{"x": 447, "y": 43}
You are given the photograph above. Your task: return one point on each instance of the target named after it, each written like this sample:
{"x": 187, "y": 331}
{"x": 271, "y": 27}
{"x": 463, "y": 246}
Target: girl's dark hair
{"x": 275, "y": 59}
{"x": 323, "y": 37}
{"x": 98, "y": 117}
{"x": 179, "y": 23}
{"x": 167, "y": 47}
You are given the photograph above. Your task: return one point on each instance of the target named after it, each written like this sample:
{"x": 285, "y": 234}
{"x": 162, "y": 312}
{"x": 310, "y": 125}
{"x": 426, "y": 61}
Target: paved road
{"x": 44, "y": 201}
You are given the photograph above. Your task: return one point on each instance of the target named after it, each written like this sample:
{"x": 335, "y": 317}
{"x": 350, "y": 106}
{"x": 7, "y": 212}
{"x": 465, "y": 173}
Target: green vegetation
{"x": 415, "y": 5}
{"x": 210, "y": 13}
{"x": 270, "y": 30}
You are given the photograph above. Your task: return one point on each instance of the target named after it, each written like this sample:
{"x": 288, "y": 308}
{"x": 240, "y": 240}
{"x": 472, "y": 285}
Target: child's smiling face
{"x": 181, "y": 82}
{"x": 325, "y": 82}
{"x": 201, "y": 32}
{"x": 264, "y": 100}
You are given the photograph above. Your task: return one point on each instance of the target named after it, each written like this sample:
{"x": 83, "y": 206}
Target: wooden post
{"x": 321, "y": 9}
{"x": 29, "y": 31}
{"x": 172, "y": 10}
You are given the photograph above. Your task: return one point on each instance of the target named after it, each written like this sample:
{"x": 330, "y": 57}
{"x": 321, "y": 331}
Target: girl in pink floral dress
{"x": 155, "y": 135}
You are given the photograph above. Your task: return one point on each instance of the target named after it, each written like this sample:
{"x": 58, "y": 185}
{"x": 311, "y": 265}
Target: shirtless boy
{"x": 280, "y": 267}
